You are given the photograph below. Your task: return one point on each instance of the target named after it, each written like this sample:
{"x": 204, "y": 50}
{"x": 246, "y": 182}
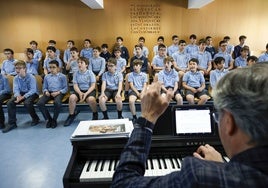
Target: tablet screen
{"x": 192, "y": 121}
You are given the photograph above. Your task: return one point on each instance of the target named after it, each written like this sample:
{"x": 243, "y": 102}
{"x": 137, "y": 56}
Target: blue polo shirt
{"x": 121, "y": 62}
{"x": 181, "y": 59}
{"x": 84, "y": 79}
{"x": 228, "y": 58}
{"x": 54, "y": 83}
{"x": 204, "y": 58}
{"x": 32, "y": 67}
{"x": 4, "y": 85}
{"x": 26, "y": 85}
{"x": 8, "y": 67}
{"x": 263, "y": 57}
{"x": 112, "y": 80}
{"x": 158, "y": 61}
{"x": 172, "y": 49}
{"x": 67, "y": 55}
{"x": 97, "y": 64}
{"x": 47, "y": 60}
{"x": 87, "y": 53}
{"x": 240, "y": 62}
{"x": 194, "y": 79}
{"x": 168, "y": 78}
{"x": 37, "y": 54}
{"x": 216, "y": 75}
{"x": 138, "y": 79}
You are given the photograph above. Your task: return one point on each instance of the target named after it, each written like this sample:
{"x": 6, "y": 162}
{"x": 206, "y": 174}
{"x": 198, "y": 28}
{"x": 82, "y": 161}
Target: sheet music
{"x": 103, "y": 128}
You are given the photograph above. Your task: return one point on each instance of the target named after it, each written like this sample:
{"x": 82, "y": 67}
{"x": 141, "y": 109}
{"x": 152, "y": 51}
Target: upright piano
{"x": 93, "y": 162}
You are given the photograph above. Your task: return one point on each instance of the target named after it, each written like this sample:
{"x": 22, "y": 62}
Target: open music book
{"x": 103, "y": 129}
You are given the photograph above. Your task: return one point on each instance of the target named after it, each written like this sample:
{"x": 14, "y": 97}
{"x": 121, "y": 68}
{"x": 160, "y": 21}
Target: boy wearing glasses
{"x": 111, "y": 88}
{"x": 84, "y": 90}
{"x": 24, "y": 90}
{"x": 229, "y": 62}
{"x": 194, "y": 83}
{"x": 54, "y": 87}
{"x": 8, "y": 67}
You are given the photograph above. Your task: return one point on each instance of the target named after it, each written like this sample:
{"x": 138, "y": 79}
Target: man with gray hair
{"x": 241, "y": 101}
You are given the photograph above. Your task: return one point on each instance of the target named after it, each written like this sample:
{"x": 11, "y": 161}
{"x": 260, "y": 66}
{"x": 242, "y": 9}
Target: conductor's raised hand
{"x": 152, "y": 103}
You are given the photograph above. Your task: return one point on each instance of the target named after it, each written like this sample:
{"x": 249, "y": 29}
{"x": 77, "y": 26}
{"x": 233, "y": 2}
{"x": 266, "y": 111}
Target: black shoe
{"x": 69, "y": 120}
{"x": 9, "y": 128}
{"x": 49, "y": 122}
{"x": 120, "y": 117}
{"x": 35, "y": 122}
{"x": 105, "y": 118}
{"x": 54, "y": 124}
{"x": 134, "y": 120}
{"x": 95, "y": 116}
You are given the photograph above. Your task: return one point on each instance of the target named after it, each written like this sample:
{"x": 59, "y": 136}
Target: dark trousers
{"x": 57, "y": 106}
{"x": 28, "y": 104}
{"x": 3, "y": 97}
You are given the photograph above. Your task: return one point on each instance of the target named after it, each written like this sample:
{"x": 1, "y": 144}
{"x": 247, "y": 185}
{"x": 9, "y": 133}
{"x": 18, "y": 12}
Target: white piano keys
{"x": 103, "y": 170}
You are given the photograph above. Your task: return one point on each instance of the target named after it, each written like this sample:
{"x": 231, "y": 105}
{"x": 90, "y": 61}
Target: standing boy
{"x": 137, "y": 81}
{"x": 194, "y": 83}
{"x": 111, "y": 88}
{"x": 84, "y": 90}
{"x": 24, "y": 90}
{"x": 54, "y": 87}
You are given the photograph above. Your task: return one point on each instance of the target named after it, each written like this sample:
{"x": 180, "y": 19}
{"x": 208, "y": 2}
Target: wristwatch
{"x": 145, "y": 123}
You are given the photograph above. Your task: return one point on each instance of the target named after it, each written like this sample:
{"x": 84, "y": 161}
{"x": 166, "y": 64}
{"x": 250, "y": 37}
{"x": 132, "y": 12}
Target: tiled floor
{"x": 36, "y": 157}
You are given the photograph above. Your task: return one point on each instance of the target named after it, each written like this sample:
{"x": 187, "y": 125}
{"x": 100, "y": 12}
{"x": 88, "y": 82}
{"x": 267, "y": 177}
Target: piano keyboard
{"x": 103, "y": 170}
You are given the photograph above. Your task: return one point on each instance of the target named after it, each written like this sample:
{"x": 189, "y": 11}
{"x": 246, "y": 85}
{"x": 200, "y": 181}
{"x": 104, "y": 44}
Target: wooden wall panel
{"x": 41, "y": 20}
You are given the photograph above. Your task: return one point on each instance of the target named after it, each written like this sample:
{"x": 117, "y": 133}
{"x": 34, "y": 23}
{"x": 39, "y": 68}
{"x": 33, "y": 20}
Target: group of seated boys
{"x": 99, "y": 75}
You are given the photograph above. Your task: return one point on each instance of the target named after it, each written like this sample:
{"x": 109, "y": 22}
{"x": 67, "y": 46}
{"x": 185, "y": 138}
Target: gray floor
{"x": 36, "y": 157}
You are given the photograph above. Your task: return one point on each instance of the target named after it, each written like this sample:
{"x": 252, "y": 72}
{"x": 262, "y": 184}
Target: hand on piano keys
{"x": 209, "y": 153}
